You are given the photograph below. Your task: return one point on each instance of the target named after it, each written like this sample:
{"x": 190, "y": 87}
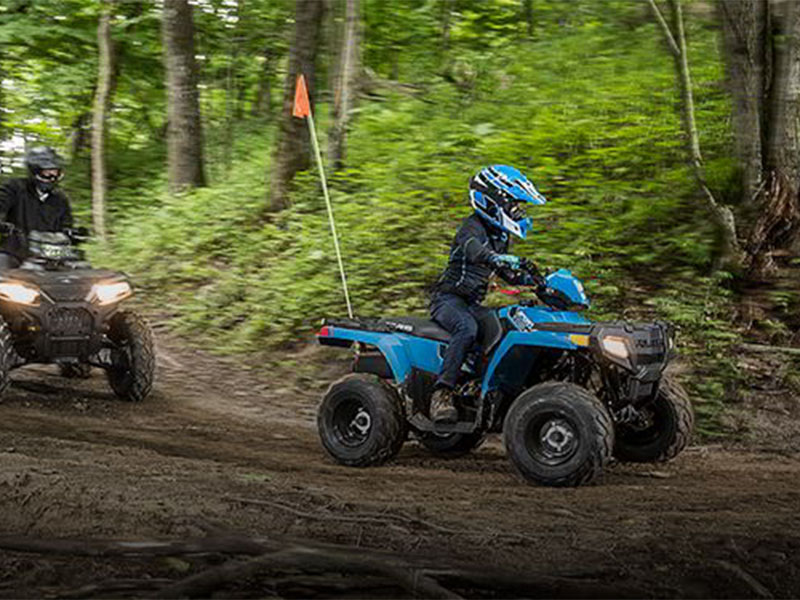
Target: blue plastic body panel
{"x": 404, "y": 352}
{"x": 565, "y": 282}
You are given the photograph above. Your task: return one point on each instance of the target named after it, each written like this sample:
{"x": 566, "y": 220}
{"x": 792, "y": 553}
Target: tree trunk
{"x": 527, "y": 14}
{"x": 346, "y": 79}
{"x": 292, "y": 150}
{"x": 79, "y": 135}
{"x": 262, "y": 106}
{"x": 761, "y": 42}
{"x": 730, "y": 252}
{"x": 777, "y": 225}
{"x": 231, "y": 95}
{"x": 2, "y": 102}
{"x": 106, "y": 82}
{"x": 746, "y": 35}
{"x": 184, "y": 130}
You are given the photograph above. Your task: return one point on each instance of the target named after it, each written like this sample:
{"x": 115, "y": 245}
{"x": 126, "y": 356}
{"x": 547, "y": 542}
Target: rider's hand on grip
{"x": 506, "y": 260}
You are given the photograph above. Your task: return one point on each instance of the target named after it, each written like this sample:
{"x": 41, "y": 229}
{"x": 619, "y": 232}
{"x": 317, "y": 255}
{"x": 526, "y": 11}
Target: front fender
{"x": 543, "y": 339}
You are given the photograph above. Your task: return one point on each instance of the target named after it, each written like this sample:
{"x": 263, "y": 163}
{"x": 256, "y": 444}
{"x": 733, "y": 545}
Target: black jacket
{"x": 20, "y": 205}
{"x": 469, "y": 267}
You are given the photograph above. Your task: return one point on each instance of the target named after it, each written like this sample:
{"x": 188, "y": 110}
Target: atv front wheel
{"x": 667, "y": 426}
{"x": 133, "y": 362}
{"x": 451, "y": 444}
{"x": 6, "y": 355}
{"x": 361, "y": 422}
{"x": 558, "y": 434}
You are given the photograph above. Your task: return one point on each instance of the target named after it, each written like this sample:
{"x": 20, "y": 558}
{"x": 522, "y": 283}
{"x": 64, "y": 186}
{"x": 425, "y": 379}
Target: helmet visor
{"x": 516, "y": 210}
{"x": 48, "y": 175}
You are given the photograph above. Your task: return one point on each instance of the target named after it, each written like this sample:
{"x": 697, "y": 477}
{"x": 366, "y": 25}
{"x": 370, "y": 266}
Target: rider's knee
{"x": 468, "y": 329}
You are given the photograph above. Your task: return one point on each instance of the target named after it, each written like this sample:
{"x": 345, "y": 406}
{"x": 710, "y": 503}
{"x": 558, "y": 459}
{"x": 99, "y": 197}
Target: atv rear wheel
{"x": 6, "y": 356}
{"x": 133, "y": 360}
{"x": 558, "y": 434}
{"x": 361, "y": 422}
{"x": 668, "y": 426}
{"x": 451, "y": 444}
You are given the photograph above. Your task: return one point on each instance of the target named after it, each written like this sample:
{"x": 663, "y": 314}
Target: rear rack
{"x": 359, "y": 323}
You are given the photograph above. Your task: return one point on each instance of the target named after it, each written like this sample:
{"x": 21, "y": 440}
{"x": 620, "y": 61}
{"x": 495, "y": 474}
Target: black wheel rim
{"x": 552, "y": 438}
{"x": 352, "y": 422}
{"x": 656, "y": 422}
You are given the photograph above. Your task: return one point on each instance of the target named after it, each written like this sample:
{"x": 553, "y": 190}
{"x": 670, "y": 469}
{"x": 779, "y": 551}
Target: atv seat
{"x": 490, "y": 330}
{"x": 417, "y": 326}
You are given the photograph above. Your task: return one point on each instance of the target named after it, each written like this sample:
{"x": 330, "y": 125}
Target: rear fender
{"x": 542, "y": 339}
{"x": 390, "y": 345}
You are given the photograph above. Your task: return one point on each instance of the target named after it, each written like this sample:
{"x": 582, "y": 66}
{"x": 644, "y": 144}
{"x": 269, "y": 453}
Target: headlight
{"x": 616, "y": 346}
{"x": 106, "y": 293}
{"x": 19, "y": 293}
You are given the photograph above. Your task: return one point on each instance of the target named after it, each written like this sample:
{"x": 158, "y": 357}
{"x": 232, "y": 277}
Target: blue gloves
{"x": 506, "y": 260}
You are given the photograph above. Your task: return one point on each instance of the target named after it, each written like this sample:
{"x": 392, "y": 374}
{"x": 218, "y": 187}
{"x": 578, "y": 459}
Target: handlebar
{"x": 75, "y": 234}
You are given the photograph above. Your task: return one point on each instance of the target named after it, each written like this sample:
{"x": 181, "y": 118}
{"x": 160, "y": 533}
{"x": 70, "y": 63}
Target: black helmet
{"x": 44, "y": 158}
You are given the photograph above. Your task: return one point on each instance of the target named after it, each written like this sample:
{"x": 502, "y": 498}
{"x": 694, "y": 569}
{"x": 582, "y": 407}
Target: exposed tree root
{"x": 305, "y": 564}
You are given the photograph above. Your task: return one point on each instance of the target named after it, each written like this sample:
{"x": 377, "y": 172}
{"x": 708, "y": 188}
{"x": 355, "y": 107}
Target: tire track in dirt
{"x": 231, "y": 448}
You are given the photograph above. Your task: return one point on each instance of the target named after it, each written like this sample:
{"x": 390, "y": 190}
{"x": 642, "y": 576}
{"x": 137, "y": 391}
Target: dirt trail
{"x": 226, "y": 449}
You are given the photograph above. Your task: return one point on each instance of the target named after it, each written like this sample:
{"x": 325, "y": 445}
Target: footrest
{"x": 423, "y": 423}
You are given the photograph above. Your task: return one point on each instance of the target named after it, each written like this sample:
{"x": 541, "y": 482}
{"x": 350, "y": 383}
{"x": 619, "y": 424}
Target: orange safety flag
{"x": 302, "y": 107}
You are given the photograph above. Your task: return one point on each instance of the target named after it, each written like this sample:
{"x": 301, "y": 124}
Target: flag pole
{"x": 302, "y": 107}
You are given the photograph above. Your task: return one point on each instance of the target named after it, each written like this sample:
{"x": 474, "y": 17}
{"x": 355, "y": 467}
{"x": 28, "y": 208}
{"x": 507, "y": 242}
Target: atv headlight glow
{"x": 19, "y": 293}
{"x": 616, "y": 346}
{"x": 106, "y": 293}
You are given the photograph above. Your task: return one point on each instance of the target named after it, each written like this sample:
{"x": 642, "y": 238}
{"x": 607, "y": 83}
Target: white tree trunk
{"x": 102, "y": 103}
{"x": 347, "y": 75}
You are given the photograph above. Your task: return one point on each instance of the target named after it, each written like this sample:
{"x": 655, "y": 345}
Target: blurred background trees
{"x": 411, "y": 97}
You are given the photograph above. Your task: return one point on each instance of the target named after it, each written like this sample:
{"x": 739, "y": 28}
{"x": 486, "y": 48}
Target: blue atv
{"x": 567, "y": 393}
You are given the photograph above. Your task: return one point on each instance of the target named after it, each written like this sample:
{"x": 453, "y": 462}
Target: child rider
{"x": 480, "y": 248}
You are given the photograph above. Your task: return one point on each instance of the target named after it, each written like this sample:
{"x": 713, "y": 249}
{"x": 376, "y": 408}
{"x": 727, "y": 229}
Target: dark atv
{"x": 56, "y": 309}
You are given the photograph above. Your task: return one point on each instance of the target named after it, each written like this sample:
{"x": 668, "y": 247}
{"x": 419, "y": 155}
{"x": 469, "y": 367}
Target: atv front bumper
{"x": 58, "y": 331}
{"x": 640, "y": 351}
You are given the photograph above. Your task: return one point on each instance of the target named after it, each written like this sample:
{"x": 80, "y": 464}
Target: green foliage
{"x": 587, "y": 106}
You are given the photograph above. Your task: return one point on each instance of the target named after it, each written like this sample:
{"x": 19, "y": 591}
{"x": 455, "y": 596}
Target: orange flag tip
{"x": 302, "y": 107}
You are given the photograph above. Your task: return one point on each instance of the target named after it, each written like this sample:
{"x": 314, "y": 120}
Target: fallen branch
{"x": 114, "y": 585}
{"x": 533, "y": 586}
{"x": 766, "y": 348}
{"x": 420, "y": 575}
{"x": 209, "y": 545}
{"x": 304, "y": 559}
{"x": 380, "y": 518}
{"x": 755, "y": 586}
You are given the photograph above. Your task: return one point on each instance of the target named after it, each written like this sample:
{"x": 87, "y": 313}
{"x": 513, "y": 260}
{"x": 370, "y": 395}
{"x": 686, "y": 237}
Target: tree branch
{"x": 304, "y": 559}
{"x": 673, "y": 46}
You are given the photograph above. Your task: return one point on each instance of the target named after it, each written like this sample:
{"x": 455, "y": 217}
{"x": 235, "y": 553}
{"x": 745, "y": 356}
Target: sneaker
{"x": 443, "y": 410}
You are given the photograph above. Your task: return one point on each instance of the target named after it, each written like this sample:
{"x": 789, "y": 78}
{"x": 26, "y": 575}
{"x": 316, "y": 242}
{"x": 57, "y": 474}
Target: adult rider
{"x": 32, "y": 203}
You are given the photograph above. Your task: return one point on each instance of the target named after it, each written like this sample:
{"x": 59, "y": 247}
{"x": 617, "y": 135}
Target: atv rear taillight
{"x": 324, "y": 332}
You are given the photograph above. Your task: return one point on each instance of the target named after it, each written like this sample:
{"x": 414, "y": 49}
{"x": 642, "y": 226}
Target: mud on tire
{"x": 558, "y": 434}
{"x": 133, "y": 360}
{"x": 361, "y": 422}
{"x": 671, "y": 422}
{"x": 451, "y": 445}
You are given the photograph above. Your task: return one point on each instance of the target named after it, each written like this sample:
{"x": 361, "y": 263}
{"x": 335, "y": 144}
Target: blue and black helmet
{"x": 499, "y": 194}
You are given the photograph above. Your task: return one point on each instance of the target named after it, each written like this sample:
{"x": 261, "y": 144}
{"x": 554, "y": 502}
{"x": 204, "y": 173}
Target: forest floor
{"x": 225, "y": 456}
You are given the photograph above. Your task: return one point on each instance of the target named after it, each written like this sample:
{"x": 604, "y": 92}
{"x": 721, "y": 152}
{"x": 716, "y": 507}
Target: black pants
{"x": 461, "y": 320}
{"x": 8, "y": 261}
